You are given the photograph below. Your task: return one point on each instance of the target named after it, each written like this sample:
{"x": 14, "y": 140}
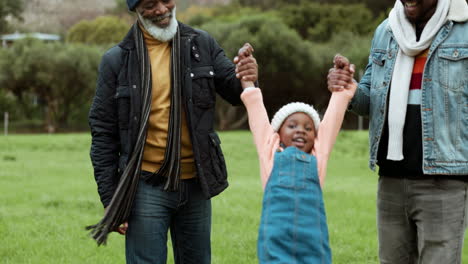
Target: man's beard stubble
{"x": 161, "y": 34}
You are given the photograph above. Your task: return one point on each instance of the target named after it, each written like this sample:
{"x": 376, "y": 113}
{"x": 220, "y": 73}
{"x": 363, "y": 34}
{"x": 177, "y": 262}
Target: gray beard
{"x": 161, "y": 34}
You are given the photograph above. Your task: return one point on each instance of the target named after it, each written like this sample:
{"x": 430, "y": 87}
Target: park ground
{"x": 48, "y": 195}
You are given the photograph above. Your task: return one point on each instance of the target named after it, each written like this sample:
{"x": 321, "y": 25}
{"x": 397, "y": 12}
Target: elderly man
{"x": 157, "y": 159}
{"x": 415, "y": 92}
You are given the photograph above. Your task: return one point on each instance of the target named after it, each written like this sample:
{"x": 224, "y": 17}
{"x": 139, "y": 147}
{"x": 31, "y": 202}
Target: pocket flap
{"x": 215, "y": 138}
{"x": 453, "y": 53}
{"x": 378, "y": 57}
{"x": 304, "y": 157}
{"x": 202, "y": 72}
{"x": 122, "y": 91}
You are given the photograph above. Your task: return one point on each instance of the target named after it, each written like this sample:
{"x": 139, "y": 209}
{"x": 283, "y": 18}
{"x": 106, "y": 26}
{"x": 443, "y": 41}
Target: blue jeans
{"x": 186, "y": 213}
{"x": 421, "y": 221}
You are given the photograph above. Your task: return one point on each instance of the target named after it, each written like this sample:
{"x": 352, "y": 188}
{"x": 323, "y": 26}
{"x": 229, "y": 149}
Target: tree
{"x": 61, "y": 75}
{"x": 103, "y": 30}
{"x": 285, "y": 62}
{"x": 377, "y": 7}
{"x": 9, "y": 79}
{"x": 9, "y": 8}
{"x": 318, "y": 22}
{"x": 265, "y": 4}
{"x": 292, "y": 67}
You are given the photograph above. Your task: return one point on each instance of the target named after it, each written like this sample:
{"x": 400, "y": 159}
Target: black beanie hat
{"x": 132, "y": 4}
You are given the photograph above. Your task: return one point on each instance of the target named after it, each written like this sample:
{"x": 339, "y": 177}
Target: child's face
{"x": 298, "y": 130}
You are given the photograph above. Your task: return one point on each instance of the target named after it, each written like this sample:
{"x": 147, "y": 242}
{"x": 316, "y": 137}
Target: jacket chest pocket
{"x": 122, "y": 96}
{"x": 203, "y": 87}
{"x": 453, "y": 68}
{"x": 379, "y": 59}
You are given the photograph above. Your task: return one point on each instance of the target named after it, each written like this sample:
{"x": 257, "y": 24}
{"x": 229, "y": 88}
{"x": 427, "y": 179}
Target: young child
{"x": 293, "y": 151}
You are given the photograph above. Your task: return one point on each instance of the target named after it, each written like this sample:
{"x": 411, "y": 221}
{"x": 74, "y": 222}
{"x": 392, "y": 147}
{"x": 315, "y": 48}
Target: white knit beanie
{"x": 292, "y": 108}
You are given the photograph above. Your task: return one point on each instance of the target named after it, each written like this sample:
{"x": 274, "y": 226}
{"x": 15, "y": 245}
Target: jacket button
{"x": 192, "y": 75}
{"x": 135, "y": 118}
{"x": 196, "y": 55}
{"x": 455, "y": 53}
{"x": 194, "y": 48}
{"x": 134, "y": 86}
{"x": 211, "y": 73}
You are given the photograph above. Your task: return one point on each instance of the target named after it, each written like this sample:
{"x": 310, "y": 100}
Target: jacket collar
{"x": 128, "y": 42}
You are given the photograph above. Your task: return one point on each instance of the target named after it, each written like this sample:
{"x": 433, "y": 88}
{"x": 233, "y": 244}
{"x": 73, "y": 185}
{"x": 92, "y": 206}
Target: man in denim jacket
{"x": 415, "y": 93}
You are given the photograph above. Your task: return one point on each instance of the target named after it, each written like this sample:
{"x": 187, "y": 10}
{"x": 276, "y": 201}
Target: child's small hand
{"x": 243, "y": 52}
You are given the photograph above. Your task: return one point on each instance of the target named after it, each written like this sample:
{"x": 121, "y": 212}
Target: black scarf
{"x": 118, "y": 210}
{"x": 170, "y": 169}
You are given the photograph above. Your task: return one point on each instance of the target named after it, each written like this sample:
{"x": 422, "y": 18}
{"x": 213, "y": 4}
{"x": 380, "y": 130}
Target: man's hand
{"x": 122, "y": 229}
{"x": 340, "y": 77}
{"x": 246, "y": 65}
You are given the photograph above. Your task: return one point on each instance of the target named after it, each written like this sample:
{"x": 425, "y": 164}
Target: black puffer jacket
{"x": 116, "y": 107}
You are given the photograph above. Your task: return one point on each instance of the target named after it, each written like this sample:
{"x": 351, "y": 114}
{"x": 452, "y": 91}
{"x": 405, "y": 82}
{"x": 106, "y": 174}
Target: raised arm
{"x": 334, "y": 115}
{"x": 265, "y": 139}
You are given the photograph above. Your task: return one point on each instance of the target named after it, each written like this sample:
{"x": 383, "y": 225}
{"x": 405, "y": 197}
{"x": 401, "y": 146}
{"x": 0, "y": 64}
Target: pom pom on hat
{"x": 132, "y": 4}
{"x": 292, "y": 108}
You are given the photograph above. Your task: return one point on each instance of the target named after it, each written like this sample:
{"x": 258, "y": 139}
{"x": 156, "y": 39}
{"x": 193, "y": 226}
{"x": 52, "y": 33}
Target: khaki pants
{"x": 421, "y": 221}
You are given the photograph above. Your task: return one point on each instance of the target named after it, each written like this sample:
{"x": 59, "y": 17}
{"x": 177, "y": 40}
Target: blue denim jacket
{"x": 444, "y": 106}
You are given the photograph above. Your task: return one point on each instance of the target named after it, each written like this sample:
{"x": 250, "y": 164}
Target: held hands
{"x": 246, "y": 66}
{"x": 340, "y": 77}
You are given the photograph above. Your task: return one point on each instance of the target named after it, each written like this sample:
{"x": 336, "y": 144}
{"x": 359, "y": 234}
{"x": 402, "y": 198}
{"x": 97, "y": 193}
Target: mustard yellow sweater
{"x": 156, "y": 140}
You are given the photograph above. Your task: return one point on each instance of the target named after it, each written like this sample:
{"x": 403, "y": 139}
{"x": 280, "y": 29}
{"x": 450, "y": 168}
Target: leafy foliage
{"x": 103, "y": 30}
{"x": 61, "y": 75}
{"x": 318, "y": 22}
{"x": 9, "y": 7}
{"x": 285, "y": 60}
{"x": 377, "y": 7}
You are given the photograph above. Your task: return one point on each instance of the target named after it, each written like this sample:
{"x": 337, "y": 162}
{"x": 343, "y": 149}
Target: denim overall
{"x": 293, "y": 227}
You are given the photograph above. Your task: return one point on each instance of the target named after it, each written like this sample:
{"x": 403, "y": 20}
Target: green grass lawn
{"x": 48, "y": 195}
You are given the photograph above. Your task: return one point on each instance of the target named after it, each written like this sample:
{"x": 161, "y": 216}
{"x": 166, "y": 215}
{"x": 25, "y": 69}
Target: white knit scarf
{"x": 405, "y": 34}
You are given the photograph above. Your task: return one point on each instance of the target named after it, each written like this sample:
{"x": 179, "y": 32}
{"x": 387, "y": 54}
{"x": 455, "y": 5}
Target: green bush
{"x": 319, "y": 22}
{"x": 7, "y": 103}
{"x": 62, "y": 77}
{"x": 9, "y": 8}
{"x": 291, "y": 68}
{"x": 104, "y": 30}
{"x": 285, "y": 60}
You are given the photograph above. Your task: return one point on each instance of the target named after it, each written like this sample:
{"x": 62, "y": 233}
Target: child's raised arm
{"x": 265, "y": 138}
{"x": 333, "y": 118}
